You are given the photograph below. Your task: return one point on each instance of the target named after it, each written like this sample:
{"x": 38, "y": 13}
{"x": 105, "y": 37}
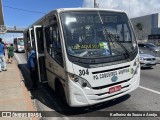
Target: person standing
{"x": 2, "y": 57}
{"x": 32, "y": 65}
{"x": 10, "y": 53}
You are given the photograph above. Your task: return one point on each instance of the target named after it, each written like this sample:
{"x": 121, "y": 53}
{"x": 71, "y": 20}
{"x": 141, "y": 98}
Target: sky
{"x": 22, "y": 13}
{"x": 134, "y": 8}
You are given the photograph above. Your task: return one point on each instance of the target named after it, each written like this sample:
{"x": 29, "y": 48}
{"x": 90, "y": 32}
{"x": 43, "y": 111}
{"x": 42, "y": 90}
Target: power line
{"x": 22, "y": 9}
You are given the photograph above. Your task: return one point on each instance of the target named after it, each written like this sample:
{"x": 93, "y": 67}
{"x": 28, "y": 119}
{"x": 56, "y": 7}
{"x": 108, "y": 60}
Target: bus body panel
{"x": 54, "y": 71}
{"x": 103, "y": 78}
{"x": 128, "y": 78}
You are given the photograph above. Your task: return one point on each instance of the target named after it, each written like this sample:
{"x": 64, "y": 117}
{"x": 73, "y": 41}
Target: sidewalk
{"x": 13, "y": 93}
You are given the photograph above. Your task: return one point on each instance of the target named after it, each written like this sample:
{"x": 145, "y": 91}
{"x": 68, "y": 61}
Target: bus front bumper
{"x": 79, "y": 97}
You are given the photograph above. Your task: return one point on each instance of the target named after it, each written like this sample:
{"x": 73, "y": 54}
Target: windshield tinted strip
{"x": 110, "y": 70}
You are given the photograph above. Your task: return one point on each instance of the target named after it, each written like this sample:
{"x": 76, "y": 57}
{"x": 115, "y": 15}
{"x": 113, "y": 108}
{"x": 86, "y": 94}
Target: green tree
{"x": 139, "y": 27}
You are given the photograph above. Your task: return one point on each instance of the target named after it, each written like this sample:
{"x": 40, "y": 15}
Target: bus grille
{"x": 105, "y": 86}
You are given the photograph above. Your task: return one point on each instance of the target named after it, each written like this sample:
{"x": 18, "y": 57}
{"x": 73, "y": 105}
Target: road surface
{"x": 145, "y": 98}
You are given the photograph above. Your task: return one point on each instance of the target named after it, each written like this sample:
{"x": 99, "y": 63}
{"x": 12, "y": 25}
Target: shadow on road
{"x": 46, "y": 96}
{"x": 147, "y": 68}
{"x": 26, "y": 75}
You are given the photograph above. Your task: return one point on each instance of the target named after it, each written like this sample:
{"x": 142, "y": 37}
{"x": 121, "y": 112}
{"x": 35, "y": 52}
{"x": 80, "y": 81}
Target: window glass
{"x": 21, "y": 42}
{"x": 40, "y": 42}
{"x": 97, "y": 34}
{"x": 53, "y": 43}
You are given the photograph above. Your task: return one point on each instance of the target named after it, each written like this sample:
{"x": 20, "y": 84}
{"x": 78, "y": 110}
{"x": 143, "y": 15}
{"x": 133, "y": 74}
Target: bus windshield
{"x": 95, "y": 34}
{"x": 21, "y": 42}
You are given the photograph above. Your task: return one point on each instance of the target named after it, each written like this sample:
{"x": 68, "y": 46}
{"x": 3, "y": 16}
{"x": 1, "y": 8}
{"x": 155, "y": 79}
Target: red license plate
{"x": 115, "y": 89}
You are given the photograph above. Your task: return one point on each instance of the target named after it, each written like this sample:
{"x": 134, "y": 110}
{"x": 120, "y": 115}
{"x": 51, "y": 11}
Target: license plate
{"x": 152, "y": 62}
{"x": 115, "y": 89}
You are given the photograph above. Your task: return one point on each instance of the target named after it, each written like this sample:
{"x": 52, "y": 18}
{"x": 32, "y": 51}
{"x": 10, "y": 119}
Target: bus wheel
{"x": 60, "y": 91}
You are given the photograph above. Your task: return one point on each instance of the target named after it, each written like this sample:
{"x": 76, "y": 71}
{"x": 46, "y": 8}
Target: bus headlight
{"x": 76, "y": 79}
{"x": 136, "y": 70}
{"x": 81, "y": 81}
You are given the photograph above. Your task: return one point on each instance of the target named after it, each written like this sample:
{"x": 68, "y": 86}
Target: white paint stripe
{"x": 154, "y": 91}
{"x": 18, "y": 59}
{"x": 65, "y": 118}
{"x": 19, "y": 62}
{"x": 10, "y": 68}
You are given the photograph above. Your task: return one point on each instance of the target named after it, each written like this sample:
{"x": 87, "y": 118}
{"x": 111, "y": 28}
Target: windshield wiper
{"x": 112, "y": 37}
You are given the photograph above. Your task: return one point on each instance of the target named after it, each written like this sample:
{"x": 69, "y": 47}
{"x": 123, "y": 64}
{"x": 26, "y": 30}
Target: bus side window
{"x": 15, "y": 42}
{"x": 57, "y": 45}
{"x": 53, "y": 43}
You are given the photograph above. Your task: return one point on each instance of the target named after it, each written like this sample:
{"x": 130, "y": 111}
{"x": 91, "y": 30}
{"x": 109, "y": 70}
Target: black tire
{"x": 59, "y": 90}
{"x": 17, "y": 51}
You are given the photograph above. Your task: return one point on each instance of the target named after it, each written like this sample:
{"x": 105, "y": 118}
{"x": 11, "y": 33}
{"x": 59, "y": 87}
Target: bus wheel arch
{"x": 59, "y": 90}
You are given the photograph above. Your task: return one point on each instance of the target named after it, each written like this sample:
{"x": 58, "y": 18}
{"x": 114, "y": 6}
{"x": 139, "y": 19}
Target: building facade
{"x": 150, "y": 25}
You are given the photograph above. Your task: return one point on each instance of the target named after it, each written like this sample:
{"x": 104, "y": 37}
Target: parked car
{"x": 149, "y": 46}
{"x": 147, "y": 60}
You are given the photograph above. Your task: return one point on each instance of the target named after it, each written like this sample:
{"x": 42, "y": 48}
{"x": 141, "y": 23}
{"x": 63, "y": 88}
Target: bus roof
{"x": 87, "y": 9}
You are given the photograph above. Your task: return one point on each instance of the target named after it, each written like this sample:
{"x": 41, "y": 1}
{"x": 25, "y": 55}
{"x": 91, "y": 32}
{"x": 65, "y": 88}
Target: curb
{"x": 27, "y": 94}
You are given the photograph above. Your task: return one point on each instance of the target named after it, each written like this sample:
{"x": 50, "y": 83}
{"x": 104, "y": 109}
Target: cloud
{"x": 134, "y": 8}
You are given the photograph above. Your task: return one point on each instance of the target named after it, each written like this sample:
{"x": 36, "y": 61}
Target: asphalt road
{"x": 145, "y": 98}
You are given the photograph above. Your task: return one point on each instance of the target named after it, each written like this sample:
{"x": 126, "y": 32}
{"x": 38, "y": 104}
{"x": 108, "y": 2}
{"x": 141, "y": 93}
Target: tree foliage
{"x": 139, "y": 26}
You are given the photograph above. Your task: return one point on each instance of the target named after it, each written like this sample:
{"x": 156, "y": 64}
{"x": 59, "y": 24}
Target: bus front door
{"x": 38, "y": 45}
{"x": 30, "y": 36}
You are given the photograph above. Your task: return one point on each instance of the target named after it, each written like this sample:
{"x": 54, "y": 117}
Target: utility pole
{"x": 129, "y": 9}
{"x": 3, "y": 28}
{"x": 1, "y": 14}
{"x": 95, "y": 4}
